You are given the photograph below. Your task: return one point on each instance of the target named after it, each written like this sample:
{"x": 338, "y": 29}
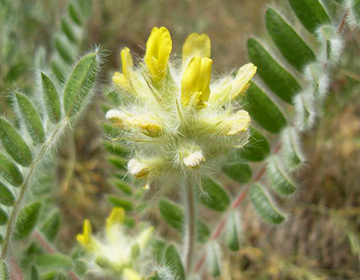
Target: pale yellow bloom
{"x": 196, "y": 45}
{"x": 144, "y": 238}
{"x": 195, "y": 82}
{"x": 230, "y": 88}
{"x": 239, "y": 122}
{"x": 242, "y": 79}
{"x": 149, "y": 125}
{"x": 130, "y": 274}
{"x": 158, "y": 50}
{"x": 116, "y": 217}
{"x": 124, "y": 80}
{"x": 85, "y": 239}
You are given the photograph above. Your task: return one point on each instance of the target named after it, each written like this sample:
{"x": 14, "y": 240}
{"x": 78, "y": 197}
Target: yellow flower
{"x": 85, "y": 239}
{"x": 242, "y": 79}
{"x": 116, "y": 217}
{"x": 195, "y": 82}
{"x": 149, "y": 125}
{"x": 239, "y": 122}
{"x": 196, "y": 45}
{"x": 123, "y": 80}
{"x": 130, "y": 274}
{"x": 158, "y": 49}
{"x": 230, "y": 88}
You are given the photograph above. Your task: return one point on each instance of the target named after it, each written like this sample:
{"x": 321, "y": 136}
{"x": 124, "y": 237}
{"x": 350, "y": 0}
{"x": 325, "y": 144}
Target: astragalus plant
{"x": 172, "y": 127}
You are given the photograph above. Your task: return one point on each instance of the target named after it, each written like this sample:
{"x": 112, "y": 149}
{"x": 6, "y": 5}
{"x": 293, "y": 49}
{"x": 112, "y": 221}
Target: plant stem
{"x": 27, "y": 182}
{"x": 190, "y": 233}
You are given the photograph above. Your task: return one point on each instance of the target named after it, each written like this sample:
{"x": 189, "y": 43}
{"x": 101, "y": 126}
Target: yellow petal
{"x": 85, "y": 239}
{"x": 144, "y": 238}
{"x": 195, "y": 82}
{"x": 127, "y": 62}
{"x": 116, "y": 217}
{"x": 130, "y": 274}
{"x": 158, "y": 49}
{"x": 148, "y": 124}
{"x": 196, "y": 45}
{"x": 243, "y": 77}
{"x": 239, "y": 122}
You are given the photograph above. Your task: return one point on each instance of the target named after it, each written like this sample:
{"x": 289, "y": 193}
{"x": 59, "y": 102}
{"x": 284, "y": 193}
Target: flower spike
{"x": 158, "y": 50}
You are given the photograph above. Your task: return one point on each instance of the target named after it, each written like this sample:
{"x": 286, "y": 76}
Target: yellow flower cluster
{"x": 118, "y": 252}
{"x": 178, "y": 118}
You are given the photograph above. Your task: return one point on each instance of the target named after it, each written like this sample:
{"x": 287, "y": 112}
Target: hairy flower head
{"x": 178, "y": 118}
{"x": 118, "y": 252}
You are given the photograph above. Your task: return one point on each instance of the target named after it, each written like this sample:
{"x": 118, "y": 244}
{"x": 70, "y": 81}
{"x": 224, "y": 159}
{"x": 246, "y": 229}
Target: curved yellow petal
{"x": 239, "y": 122}
{"x": 130, "y": 274}
{"x": 116, "y": 217}
{"x": 196, "y": 45}
{"x": 158, "y": 50}
{"x": 123, "y": 79}
{"x": 85, "y": 239}
{"x": 195, "y": 82}
{"x": 243, "y": 77}
{"x": 127, "y": 62}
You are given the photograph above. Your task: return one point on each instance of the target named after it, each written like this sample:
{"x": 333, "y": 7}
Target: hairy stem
{"x": 190, "y": 233}
{"x": 27, "y": 182}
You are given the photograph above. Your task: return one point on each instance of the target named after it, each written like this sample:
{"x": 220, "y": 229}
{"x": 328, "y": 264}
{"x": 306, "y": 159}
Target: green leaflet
{"x": 257, "y": 149}
{"x": 79, "y": 85}
{"x": 69, "y": 30}
{"x": 3, "y": 217}
{"x": 116, "y": 149}
{"x": 27, "y": 220}
{"x": 240, "y": 172}
{"x": 64, "y": 49}
{"x": 53, "y": 261}
{"x": 173, "y": 260}
{"x": 158, "y": 249}
{"x": 276, "y": 77}
{"x": 232, "y": 231}
{"x": 75, "y": 14}
{"x": 6, "y": 196}
{"x": 119, "y": 202}
{"x": 356, "y": 9}
{"x": 263, "y": 110}
{"x": 174, "y": 217}
{"x": 14, "y": 144}
{"x": 31, "y": 118}
{"x": 4, "y": 271}
{"x": 289, "y": 43}
{"x": 58, "y": 69}
{"x": 34, "y": 273}
{"x": 291, "y": 150}
{"x": 110, "y": 131}
{"x": 215, "y": 196}
{"x": 123, "y": 186}
{"x": 214, "y": 259}
{"x": 51, "y": 99}
{"x": 51, "y": 227}
{"x": 311, "y": 13}
{"x": 263, "y": 205}
{"x": 120, "y": 163}
{"x": 10, "y": 172}
{"x": 279, "y": 178}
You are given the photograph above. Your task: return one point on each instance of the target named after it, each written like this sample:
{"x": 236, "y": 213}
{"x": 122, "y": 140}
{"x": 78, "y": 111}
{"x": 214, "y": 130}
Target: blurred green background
{"x": 321, "y": 239}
